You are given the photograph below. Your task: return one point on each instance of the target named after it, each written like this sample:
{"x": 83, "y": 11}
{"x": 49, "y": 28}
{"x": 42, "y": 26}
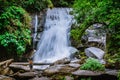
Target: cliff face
{"x": 38, "y": 20}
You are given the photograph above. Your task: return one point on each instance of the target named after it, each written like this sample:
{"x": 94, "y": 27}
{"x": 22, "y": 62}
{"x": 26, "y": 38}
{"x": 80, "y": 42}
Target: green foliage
{"x": 86, "y": 78}
{"x": 106, "y": 12}
{"x": 118, "y": 75}
{"x": 36, "y": 5}
{"x": 62, "y": 3}
{"x": 92, "y": 64}
{"x": 14, "y": 28}
{"x": 29, "y": 5}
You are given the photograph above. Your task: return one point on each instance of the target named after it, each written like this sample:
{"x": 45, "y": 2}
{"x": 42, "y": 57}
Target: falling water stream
{"x": 54, "y": 43}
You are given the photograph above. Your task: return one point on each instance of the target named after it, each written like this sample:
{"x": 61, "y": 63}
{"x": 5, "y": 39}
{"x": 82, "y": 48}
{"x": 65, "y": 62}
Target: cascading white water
{"x": 54, "y": 43}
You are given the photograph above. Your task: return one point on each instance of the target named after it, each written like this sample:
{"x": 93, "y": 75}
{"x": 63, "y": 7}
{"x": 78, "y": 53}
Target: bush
{"x": 15, "y": 30}
{"x": 92, "y": 64}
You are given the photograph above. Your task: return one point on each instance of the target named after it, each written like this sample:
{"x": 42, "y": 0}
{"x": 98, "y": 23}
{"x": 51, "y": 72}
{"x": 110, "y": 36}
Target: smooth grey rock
{"x": 74, "y": 65}
{"x": 112, "y": 72}
{"x": 86, "y": 73}
{"x": 94, "y": 53}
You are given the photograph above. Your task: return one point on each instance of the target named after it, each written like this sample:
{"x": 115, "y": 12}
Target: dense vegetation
{"x": 28, "y": 5}
{"x": 62, "y": 3}
{"x": 106, "y": 12}
{"x": 15, "y": 24}
{"x": 15, "y": 29}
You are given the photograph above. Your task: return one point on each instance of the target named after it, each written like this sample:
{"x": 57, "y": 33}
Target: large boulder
{"x": 94, "y": 53}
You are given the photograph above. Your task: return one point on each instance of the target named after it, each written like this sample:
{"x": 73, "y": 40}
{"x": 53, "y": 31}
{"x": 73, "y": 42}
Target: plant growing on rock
{"x": 92, "y": 64}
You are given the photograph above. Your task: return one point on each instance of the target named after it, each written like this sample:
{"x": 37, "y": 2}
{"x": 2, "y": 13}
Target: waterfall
{"x": 54, "y": 43}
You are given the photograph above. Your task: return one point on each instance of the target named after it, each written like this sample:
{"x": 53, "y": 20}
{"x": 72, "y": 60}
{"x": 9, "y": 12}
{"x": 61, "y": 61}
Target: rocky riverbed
{"x": 64, "y": 69}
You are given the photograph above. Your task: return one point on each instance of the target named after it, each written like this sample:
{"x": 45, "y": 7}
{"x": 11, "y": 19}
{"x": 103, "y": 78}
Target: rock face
{"x": 37, "y": 26}
{"x": 95, "y": 36}
{"x": 94, "y": 53}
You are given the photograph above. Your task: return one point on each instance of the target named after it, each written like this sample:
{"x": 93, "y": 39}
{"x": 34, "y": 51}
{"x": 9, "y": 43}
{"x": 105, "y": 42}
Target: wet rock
{"x": 53, "y": 69}
{"x": 26, "y": 75}
{"x": 86, "y": 73}
{"x": 62, "y": 69}
{"x": 73, "y": 52}
{"x": 67, "y": 69}
{"x": 62, "y": 61}
{"x": 6, "y": 78}
{"x": 112, "y": 72}
{"x": 74, "y": 65}
{"x": 94, "y": 52}
{"x": 76, "y": 61}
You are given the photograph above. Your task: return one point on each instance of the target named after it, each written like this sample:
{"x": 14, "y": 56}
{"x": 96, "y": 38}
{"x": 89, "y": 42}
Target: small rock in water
{"x": 94, "y": 53}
